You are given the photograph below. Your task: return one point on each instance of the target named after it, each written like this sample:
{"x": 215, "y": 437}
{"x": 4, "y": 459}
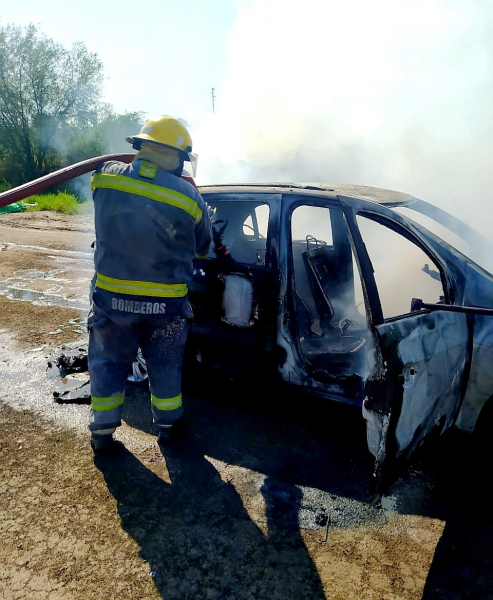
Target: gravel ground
{"x": 253, "y": 501}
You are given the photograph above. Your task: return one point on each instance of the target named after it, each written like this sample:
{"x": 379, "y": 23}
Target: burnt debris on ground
{"x": 69, "y": 370}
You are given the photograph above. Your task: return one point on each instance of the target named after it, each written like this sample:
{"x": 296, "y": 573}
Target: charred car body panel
{"x": 480, "y": 383}
{"x": 414, "y": 373}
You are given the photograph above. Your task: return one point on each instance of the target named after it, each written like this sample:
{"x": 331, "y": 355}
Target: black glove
{"x": 220, "y": 249}
{"x": 217, "y": 232}
{"x": 218, "y": 227}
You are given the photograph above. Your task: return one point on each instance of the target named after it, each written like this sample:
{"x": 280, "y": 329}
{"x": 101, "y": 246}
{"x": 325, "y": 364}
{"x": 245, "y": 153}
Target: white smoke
{"x": 389, "y": 93}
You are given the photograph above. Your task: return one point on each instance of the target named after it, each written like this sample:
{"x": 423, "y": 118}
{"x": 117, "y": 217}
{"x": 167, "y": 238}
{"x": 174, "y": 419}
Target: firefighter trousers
{"x": 118, "y": 325}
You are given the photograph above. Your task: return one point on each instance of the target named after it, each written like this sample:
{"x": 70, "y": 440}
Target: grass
{"x": 60, "y": 202}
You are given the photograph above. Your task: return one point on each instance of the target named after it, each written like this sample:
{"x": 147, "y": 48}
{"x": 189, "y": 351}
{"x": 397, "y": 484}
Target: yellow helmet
{"x": 166, "y": 131}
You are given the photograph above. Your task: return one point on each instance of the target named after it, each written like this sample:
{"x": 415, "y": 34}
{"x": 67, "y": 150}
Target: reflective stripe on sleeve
{"x": 152, "y": 191}
{"x": 141, "y": 288}
{"x": 167, "y": 403}
{"x": 109, "y": 403}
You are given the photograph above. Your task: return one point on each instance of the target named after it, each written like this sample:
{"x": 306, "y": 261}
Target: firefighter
{"x": 150, "y": 224}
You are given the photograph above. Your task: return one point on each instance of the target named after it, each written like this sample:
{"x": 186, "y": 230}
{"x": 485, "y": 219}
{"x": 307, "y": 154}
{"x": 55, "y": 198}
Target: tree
{"x": 106, "y": 135}
{"x": 44, "y": 88}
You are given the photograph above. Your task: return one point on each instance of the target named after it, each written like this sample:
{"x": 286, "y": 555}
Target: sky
{"x": 387, "y": 93}
{"x": 158, "y": 57}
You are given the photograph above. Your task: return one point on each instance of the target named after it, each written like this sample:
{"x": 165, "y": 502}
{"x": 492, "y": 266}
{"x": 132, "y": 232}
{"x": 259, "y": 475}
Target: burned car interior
{"x": 242, "y": 234}
{"x": 332, "y": 333}
{"x": 235, "y": 301}
{"x": 327, "y": 320}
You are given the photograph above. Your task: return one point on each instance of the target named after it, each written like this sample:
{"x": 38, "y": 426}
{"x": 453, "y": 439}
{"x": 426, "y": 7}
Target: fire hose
{"x": 42, "y": 183}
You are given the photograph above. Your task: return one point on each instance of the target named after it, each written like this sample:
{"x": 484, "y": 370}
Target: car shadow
{"x": 306, "y": 453}
{"x": 462, "y": 565}
{"x": 282, "y": 434}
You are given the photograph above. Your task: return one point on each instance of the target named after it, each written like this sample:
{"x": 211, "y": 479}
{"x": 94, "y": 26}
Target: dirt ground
{"x": 255, "y": 501}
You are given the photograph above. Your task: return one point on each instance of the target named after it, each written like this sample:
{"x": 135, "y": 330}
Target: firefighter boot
{"x": 169, "y": 433}
{"x": 103, "y": 443}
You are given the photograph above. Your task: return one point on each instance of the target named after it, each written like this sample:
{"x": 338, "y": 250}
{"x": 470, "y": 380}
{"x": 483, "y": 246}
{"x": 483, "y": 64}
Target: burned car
{"x": 339, "y": 291}
{"x": 343, "y": 293}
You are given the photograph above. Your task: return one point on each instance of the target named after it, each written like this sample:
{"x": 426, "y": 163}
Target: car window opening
{"x": 402, "y": 270}
{"x": 245, "y": 233}
{"x": 330, "y": 312}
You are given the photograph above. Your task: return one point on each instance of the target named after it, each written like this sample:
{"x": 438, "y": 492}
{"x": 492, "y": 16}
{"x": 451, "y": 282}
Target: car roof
{"x": 363, "y": 192}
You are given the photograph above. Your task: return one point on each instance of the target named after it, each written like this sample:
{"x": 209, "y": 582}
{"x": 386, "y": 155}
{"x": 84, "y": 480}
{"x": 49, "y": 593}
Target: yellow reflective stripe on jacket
{"x": 102, "y": 404}
{"x": 152, "y": 191}
{"x": 166, "y": 403}
{"x": 141, "y": 288}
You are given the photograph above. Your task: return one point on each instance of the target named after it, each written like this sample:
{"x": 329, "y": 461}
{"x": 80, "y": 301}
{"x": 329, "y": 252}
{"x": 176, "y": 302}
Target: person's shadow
{"x": 197, "y": 536}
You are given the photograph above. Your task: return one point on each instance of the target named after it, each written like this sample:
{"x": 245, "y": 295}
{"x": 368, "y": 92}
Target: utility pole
{"x": 213, "y": 95}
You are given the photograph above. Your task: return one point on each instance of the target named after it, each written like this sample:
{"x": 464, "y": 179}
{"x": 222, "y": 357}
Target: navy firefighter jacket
{"x": 150, "y": 225}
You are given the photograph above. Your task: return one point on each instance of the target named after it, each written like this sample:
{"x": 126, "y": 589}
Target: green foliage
{"x": 51, "y": 114}
{"x": 43, "y": 88}
{"x": 106, "y": 135}
{"x": 4, "y": 186}
{"x": 60, "y": 202}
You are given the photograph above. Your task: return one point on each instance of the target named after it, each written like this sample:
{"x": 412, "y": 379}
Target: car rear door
{"x": 416, "y": 384}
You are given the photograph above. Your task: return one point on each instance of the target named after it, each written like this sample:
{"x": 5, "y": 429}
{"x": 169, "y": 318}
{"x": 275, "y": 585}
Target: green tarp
{"x": 13, "y": 208}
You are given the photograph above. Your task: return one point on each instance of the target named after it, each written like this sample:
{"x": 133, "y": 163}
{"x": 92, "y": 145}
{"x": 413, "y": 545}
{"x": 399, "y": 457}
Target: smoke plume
{"x": 389, "y": 93}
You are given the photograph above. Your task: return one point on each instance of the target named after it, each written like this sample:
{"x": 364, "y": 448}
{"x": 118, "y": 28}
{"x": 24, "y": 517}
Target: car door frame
{"x": 261, "y": 335}
{"x": 383, "y": 404}
{"x": 292, "y": 364}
